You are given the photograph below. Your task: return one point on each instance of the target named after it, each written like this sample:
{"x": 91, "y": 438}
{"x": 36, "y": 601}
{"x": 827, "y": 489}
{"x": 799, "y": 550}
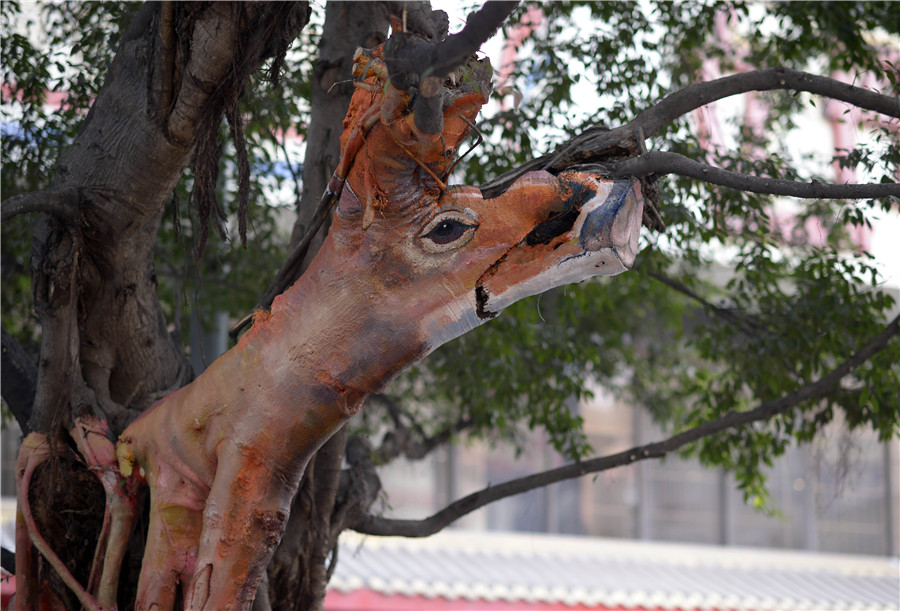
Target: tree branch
{"x": 375, "y": 525}
{"x": 410, "y": 57}
{"x": 212, "y": 45}
{"x": 403, "y": 442}
{"x": 658, "y": 162}
{"x": 746, "y": 324}
{"x": 415, "y": 60}
{"x": 411, "y": 441}
{"x": 56, "y": 303}
{"x": 61, "y": 203}
{"x": 694, "y": 96}
{"x": 19, "y": 381}
{"x": 163, "y": 76}
{"x": 599, "y": 144}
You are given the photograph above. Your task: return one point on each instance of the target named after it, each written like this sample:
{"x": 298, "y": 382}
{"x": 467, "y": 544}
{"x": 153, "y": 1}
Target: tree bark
{"x": 105, "y": 344}
{"x": 348, "y": 26}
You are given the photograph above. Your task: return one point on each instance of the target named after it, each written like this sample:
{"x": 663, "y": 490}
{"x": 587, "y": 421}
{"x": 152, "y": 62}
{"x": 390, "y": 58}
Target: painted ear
{"x": 348, "y": 204}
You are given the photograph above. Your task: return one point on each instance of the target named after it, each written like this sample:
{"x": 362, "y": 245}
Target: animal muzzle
{"x": 612, "y": 226}
{"x": 597, "y": 235}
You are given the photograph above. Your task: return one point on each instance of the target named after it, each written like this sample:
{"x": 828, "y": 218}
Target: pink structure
{"x": 843, "y": 120}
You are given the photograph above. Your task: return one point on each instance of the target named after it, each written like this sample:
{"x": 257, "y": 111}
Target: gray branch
{"x": 376, "y": 525}
{"x": 659, "y": 162}
{"x": 694, "y": 96}
{"x": 601, "y": 145}
{"x": 61, "y": 203}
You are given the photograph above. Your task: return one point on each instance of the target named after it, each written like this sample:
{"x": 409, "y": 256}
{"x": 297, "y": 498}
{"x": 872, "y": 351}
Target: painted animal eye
{"x": 448, "y": 231}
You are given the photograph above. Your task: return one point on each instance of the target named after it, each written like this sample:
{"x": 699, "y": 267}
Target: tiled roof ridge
{"x": 659, "y": 552}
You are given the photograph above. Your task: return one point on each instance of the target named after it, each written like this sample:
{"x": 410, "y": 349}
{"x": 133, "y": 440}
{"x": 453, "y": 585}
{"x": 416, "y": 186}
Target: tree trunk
{"x": 105, "y": 346}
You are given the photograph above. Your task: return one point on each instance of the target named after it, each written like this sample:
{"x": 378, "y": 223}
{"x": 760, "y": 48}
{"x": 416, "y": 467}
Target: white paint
{"x": 458, "y": 318}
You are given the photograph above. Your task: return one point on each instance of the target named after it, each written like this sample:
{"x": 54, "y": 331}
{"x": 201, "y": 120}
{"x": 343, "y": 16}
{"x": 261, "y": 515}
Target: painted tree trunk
{"x": 409, "y": 264}
{"x": 297, "y": 573}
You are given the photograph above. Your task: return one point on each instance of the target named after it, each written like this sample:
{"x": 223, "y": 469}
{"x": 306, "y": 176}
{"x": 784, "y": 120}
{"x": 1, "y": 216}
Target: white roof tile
{"x": 578, "y": 570}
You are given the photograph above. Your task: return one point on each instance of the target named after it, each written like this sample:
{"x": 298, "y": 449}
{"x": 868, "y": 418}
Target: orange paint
{"x": 407, "y": 265}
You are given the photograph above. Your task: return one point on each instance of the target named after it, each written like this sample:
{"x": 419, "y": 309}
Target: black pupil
{"x": 447, "y": 231}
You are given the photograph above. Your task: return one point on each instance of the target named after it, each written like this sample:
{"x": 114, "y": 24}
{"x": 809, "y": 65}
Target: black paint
{"x": 481, "y": 299}
{"x": 561, "y": 221}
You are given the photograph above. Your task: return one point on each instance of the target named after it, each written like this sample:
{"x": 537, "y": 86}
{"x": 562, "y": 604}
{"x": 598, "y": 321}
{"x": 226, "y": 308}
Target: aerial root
{"x": 35, "y": 450}
{"x": 91, "y": 437}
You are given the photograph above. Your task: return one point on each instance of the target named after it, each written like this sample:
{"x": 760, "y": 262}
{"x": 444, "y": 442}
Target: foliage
{"x": 789, "y": 311}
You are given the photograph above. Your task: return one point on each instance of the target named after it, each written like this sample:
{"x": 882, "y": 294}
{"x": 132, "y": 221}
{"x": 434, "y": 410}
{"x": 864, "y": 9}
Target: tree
{"x": 179, "y": 69}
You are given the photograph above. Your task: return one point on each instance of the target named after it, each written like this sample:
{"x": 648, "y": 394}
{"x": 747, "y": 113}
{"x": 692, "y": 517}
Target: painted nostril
{"x": 622, "y": 223}
{"x": 627, "y": 227}
{"x": 600, "y": 227}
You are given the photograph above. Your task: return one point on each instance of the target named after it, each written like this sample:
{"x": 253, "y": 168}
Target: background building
{"x": 838, "y": 494}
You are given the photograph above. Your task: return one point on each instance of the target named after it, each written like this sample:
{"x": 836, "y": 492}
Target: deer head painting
{"x": 409, "y": 263}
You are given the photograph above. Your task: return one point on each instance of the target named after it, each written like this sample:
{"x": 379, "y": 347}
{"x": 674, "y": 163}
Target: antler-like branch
{"x": 412, "y": 60}
{"x": 659, "y": 162}
{"x": 598, "y": 145}
{"x": 409, "y": 57}
{"x": 375, "y": 525}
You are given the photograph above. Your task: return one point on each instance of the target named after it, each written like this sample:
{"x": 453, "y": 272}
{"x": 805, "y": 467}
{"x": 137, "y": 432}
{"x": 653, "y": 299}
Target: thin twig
{"x": 744, "y": 323}
{"x": 479, "y": 139}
